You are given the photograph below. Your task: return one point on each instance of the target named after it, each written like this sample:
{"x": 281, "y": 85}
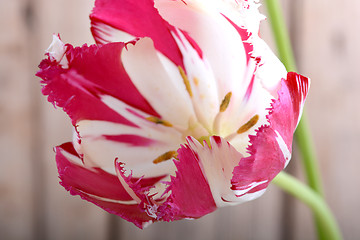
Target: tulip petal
{"x": 137, "y": 18}
{"x": 98, "y": 187}
{"x": 242, "y": 60}
{"x": 104, "y": 105}
{"x": 270, "y": 148}
{"x": 209, "y": 28}
{"x": 218, "y": 70}
{"x": 148, "y": 197}
{"x": 102, "y": 141}
{"x": 190, "y": 192}
{"x": 144, "y": 65}
{"x": 92, "y": 71}
{"x": 240, "y": 113}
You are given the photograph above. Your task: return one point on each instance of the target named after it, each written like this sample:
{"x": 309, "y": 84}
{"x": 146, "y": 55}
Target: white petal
{"x": 159, "y": 81}
{"x": 218, "y": 164}
{"x": 104, "y": 33}
{"x": 101, "y": 152}
{"x": 204, "y": 91}
{"x": 270, "y": 71}
{"x": 219, "y": 41}
{"x": 57, "y": 51}
{"x": 240, "y": 112}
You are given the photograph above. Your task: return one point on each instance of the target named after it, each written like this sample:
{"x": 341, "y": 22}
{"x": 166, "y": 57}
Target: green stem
{"x": 281, "y": 35}
{"x": 313, "y": 200}
{"x": 302, "y": 134}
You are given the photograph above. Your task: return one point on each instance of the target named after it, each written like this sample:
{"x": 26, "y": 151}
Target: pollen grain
{"x": 196, "y": 81}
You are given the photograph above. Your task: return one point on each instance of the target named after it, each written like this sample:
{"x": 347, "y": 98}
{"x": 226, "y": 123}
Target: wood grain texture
{"x": 328, "y": 51}
{"x": 259, "y": 219}
{"x": 15, "y": 127}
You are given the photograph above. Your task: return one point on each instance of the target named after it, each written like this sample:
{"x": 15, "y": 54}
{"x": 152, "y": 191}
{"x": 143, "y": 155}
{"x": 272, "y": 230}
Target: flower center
{"x": 206, "y": 139}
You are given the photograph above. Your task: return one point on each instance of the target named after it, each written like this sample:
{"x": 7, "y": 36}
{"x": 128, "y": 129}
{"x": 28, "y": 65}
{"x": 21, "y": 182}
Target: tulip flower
{"x": 178, "y": 109}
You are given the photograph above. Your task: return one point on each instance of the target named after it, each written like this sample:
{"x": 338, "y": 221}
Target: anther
{"x": 186, "y": 80}
{"x": 225, "y": 102}
{"x": 166, "y": 156}
{"x": 159, "y": 121}
{"x": 249, "y": 124}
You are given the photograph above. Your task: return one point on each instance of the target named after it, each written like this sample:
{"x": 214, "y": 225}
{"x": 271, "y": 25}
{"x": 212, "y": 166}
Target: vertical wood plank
{"x": 326, "y": 45}
{"x": 259, "y": 219}
{"x": 15, "y": 124}
{"x": 328, "y": 50}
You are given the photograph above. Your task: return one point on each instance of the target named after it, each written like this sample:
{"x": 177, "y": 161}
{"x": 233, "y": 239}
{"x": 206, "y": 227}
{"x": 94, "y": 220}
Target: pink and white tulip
{"x": 180, "y": 108}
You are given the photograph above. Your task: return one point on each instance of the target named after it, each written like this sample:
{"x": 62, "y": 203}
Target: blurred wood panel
{"x": 328, "y": 52}
{"x": 15, "y": 127}
{"x": 259, "y": 219}
{"x": 34, "y": 206}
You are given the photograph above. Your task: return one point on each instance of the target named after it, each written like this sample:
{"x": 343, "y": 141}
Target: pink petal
{"x": 139, "y": 191}
{"x": 130, "y": 140}
{"x": 190, "y": 192}
{"x": 92, "y": 71}
{"x": 209, "y": 28}
{"x": 270, "y": 148}
{"x": 98, "y": 187}
{"x": 103, "y": 141}
{"x": 95, "y": 181}
{"x": 138, "y": 18}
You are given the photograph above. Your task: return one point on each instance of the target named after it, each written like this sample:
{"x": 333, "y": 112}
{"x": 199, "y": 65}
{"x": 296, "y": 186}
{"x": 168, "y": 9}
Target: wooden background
{"x": 33, "y": 205}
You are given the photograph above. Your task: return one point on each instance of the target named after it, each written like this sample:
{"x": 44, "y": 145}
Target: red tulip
{"x": 180, "y": 108}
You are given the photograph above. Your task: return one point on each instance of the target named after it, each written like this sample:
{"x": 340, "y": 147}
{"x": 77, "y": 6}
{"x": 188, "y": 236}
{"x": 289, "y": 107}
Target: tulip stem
{"x": 302, "y": 134}
{"x": 280, "y": 34}
{"x": 313, "y": 200}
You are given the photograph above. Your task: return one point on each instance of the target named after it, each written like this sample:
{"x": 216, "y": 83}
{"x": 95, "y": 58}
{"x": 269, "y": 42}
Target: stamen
{"x": 159, "y": 121}
{"x": 186, "y": 80}
{"x": 249, "y": 124}
{"x": 225, "y": 102}
{"x": 166, "y": 156}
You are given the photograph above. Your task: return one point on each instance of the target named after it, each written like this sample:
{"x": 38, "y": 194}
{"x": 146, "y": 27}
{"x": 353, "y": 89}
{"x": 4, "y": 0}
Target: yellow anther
{"x": 186, "y": 80}
{"x": 225, "y": 102}
{"x": 249, "y": 124}
{"x": 166, "y": 156}
{"x": 159, "y": 121}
